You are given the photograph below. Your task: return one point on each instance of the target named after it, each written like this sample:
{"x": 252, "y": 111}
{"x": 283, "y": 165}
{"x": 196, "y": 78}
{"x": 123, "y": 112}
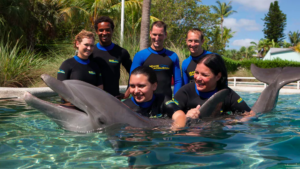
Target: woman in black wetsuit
{"x": 142, "y": 84}
{"x": 210, "y": 76}
{"x": 80, "y": 67}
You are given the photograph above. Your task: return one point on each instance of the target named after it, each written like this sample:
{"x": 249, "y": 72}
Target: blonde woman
{"x": 80, "y": 67}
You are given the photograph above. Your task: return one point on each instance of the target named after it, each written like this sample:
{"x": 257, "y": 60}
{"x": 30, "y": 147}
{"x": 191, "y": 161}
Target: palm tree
{"x": 234, "y": 54}
{"x": 243, "y": 51}
{"x": 262, "y": 46}
{"x": 227, "y": 34}
{"x": 145, "y": 24}
{"x": 223, "y": 10}
{"x": 294, "y": 38}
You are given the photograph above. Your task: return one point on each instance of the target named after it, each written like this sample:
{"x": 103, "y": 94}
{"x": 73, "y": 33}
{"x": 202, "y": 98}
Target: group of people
{"x": 151, "y": 72}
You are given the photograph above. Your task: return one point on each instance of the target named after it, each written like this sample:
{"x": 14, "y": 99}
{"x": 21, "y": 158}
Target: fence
{"x": 235, "y": 82}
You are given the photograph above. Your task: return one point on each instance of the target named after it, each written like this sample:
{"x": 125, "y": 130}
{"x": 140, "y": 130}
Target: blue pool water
{"x": 28, "y": 139}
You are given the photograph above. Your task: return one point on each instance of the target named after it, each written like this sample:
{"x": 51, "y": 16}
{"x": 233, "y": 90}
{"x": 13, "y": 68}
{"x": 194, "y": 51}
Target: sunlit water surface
{"x": 29, "y": 139}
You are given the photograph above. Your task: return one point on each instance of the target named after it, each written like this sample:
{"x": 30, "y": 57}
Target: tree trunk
{"x": 30, "y": 38}
{"x": 145, "y": 25}
{"x": 222, "y": 20}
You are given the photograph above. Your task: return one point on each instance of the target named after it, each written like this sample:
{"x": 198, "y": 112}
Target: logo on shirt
{"x": 239, "y": 100}
{"x": 156, "y": 116}
{"x": 159, "y": 67}
{"x": 61, "y": 71}
{"x": 172, "y": 101}
{"x": 113, "y": 61}
{"x": 92, "y": 72}
{"x": 191, "y": 74}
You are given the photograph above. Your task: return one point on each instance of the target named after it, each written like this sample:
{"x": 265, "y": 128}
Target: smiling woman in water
{"x": 210, "y": 77}
{"x": 142, "y": 84}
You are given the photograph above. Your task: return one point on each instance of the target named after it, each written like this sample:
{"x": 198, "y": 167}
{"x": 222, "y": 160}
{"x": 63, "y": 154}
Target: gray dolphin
{"x": 276, "y": 78}
{"x": 99, "y": 109}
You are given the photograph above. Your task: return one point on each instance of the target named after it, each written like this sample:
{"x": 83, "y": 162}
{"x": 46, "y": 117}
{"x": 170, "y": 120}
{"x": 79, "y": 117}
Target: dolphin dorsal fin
{"x": 212, "y": 104}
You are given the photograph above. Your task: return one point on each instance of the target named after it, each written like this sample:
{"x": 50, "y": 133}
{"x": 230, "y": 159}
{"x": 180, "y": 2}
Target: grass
{"x": 56, "y": 54}
{"x": 241, "y": 72}
{"x": 19, "y": 67}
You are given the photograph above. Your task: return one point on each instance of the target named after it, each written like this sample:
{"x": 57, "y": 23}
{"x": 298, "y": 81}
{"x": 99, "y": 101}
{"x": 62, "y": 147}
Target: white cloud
{"x": 236, "y": 25}
{"x": 259, "y": 5}
{"x": 243, "y": 42}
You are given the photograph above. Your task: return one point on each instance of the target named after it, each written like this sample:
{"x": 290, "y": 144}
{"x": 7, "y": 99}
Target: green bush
{"x": 18, "y": 66}
{"x": 231, "y": 65}
{"x": 268, "y": 63}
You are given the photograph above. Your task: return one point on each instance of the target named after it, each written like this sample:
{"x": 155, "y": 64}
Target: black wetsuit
{"x": 158, "y": 107}
{"x": 165, "y": 63}
{"x": 189, "y": 97}
{"x": 79, "y": 69}
{"x": 188, "y": 67}
{"x": 109, "y": 59}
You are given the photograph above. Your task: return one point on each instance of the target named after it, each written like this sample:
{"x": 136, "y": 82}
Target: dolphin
{"x": 99, "y": 109}
{"x": 276, "y": 78}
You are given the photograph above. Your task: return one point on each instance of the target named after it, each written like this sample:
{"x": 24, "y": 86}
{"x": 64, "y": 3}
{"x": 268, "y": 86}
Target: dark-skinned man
{"x": 109, "y": 56}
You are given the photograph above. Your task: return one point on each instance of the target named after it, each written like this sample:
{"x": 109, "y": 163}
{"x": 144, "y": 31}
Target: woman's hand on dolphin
{"x": 127, "y": 94}
{"x": 194, "y": 113}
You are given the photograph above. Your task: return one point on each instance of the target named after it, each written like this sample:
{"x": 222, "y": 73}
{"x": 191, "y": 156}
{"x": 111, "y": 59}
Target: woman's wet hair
{"x": 217, "y": 65}
{"x": 83, "y": 34}
{"x": 147, "y": 71}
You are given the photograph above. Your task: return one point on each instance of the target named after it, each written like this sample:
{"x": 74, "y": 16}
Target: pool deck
{"x": 16, "y": 93}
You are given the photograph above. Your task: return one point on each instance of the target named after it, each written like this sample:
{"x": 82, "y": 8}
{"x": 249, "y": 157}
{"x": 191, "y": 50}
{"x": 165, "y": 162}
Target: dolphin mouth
{"x": 29, "y": 98}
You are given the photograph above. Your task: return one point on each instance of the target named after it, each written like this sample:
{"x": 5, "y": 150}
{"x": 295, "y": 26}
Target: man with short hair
{"x": 163, "y": 61}
{"x": 109, "y": 56}
{"x": 194, "y": 41}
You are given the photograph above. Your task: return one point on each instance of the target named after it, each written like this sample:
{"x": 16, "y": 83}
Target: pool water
{"x": 29, "y": 139}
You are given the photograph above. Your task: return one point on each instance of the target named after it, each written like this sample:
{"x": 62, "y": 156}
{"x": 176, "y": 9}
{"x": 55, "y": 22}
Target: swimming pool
{"x": 29, "y": 139}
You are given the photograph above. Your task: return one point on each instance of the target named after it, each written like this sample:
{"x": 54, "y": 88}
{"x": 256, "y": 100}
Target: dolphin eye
{"x": 101, "y": 121}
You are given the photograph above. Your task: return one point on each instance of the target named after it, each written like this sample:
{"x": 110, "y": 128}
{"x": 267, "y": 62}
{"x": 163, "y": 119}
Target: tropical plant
{"x": 285, "y": 44}
{"x": 297, "y": 48}
{"x": 223, "y": 10}
{"x": 294, "y": 38}
{"x": 227, "y": 34}
{"x": 18, "y": 66}
{"x": 262, "y": 46}
{"x": 214, "y": 41}
{"x": 247, "y": 52}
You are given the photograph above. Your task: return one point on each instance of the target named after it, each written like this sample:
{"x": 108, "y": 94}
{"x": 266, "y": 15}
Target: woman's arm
{"x": 179, "y": 119}
{"x": 247, "y": 116}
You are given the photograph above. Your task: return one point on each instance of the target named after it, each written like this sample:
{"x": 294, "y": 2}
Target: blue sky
{"x": 248, "y": 24}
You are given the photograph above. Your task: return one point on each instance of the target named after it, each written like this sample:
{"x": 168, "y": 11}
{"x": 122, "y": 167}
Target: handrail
{"x": 265, "y": 85}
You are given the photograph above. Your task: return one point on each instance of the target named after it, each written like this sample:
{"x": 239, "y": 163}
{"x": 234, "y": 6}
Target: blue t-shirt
{"x": 165, "y": 63}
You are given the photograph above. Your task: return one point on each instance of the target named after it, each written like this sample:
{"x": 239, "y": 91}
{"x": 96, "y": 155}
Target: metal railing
{"x": 265, "y": 85}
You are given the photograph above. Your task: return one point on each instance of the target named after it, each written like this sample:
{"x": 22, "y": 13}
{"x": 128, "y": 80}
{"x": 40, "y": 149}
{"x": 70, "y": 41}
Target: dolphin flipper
{"x": 100, "y": 106}
{"x": 276, "y": 78}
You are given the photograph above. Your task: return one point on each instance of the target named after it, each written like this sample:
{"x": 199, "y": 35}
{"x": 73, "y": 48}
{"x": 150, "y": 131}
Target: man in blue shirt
{"x": 163, "y": 61}
{"x": 194, "y": 41}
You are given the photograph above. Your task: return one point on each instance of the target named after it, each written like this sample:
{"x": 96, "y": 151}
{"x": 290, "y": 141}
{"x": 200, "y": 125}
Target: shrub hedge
{"x": 232, "y": 65}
